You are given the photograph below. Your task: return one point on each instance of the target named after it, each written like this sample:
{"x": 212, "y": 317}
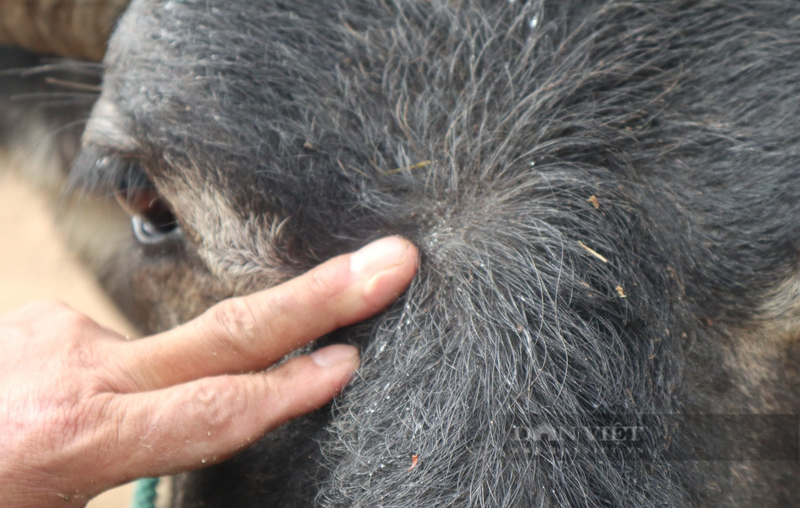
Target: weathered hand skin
{"x": 605, "y": 198}
{"x": 84, "y": 409}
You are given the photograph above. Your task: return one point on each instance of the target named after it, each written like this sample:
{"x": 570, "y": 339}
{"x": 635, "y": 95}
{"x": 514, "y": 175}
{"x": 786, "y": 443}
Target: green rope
{"x": 144, "y": 494}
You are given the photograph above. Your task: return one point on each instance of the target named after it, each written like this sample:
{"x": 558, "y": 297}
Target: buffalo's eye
{"x": 152, "y": 219}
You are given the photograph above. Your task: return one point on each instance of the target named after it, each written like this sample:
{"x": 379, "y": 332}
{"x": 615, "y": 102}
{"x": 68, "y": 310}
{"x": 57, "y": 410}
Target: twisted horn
{"x": 72, "y": 28}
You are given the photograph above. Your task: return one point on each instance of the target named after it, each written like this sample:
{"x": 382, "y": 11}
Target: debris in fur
{"x": 593, "y": 253}
{"x": 682, "y": 114}
{"x": 413, "y": 166}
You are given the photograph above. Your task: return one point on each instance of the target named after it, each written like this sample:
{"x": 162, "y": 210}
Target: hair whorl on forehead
{"x": 604, "y": 200}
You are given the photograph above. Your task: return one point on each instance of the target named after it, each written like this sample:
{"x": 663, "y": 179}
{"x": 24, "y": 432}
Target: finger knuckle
{"x": 74, "y": 321}
{"x": 322, "y": 285}
{"x": 80, "y": 351}
{"x": 235, "y": 326}
{"x": 81, "y": 325}
{"x": 217, "y": 403}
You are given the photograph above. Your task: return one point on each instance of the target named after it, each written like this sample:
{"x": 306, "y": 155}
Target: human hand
{"x": 83, "y": 410}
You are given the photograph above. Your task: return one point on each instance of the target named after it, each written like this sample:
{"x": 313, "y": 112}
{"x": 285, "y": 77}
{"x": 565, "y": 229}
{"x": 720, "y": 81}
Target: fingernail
{"x": 333, "y": 355}
{"x": 379, "y": 256}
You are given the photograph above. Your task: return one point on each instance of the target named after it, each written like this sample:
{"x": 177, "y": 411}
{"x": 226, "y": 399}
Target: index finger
{"x": 252, "y": 332}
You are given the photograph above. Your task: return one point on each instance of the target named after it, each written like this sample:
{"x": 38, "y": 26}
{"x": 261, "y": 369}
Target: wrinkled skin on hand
{"x": 83, "y": 409}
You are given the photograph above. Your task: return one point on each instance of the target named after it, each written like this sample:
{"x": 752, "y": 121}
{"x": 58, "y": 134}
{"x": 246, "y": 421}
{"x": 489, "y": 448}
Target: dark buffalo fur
{"x": 482, "y": 130}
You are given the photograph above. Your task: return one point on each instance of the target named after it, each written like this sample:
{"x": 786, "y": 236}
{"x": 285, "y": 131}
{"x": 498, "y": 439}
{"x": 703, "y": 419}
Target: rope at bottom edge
{"x": 144, "y": 494}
